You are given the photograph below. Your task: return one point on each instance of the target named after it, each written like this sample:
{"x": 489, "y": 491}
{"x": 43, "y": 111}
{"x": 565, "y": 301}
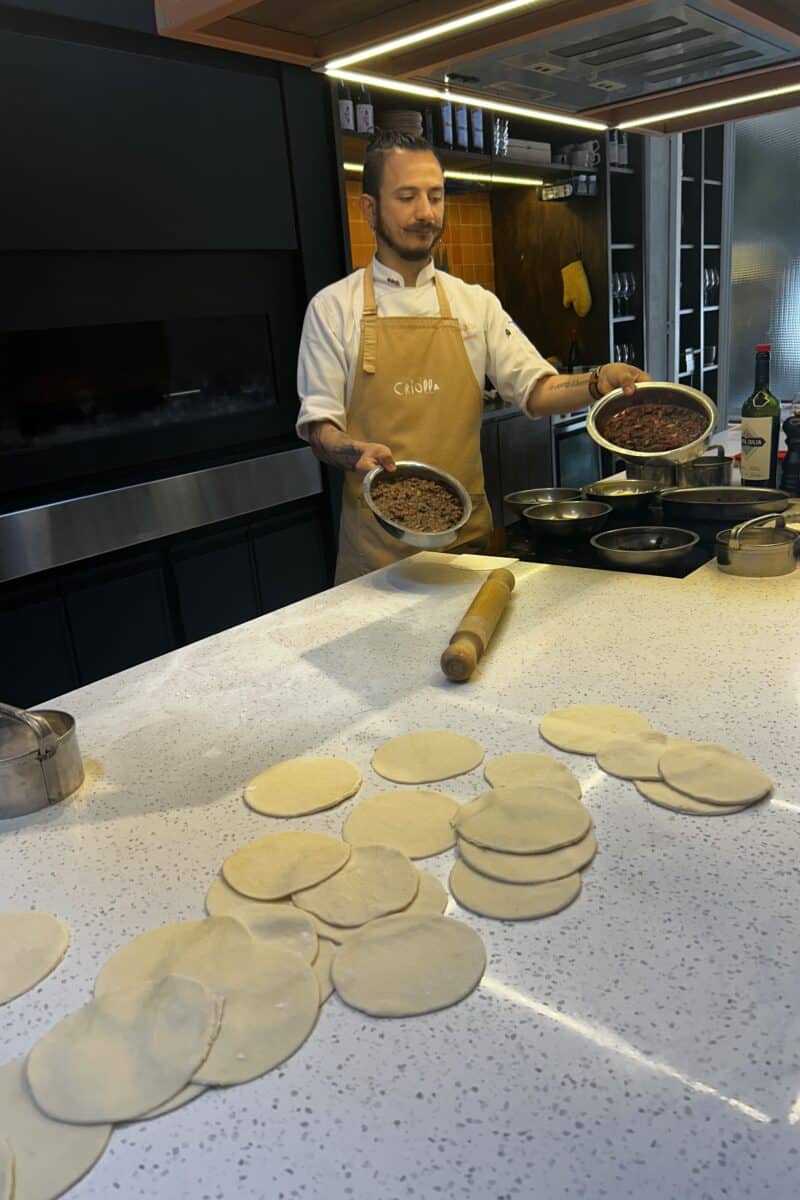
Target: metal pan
{"x": 653, "y": 393}
{"x": 567, "y": 519}
{"x": 624, "y": 495}
{"x": 724, "y": 505}
{"x": 755, "y": 552}
{"x": 644, "y": 546}
{"x": 711, "y": 470}
{"x": 519, "y": 501}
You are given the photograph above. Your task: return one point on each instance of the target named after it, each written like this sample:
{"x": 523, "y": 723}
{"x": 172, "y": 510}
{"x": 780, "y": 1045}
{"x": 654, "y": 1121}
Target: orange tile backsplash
{"x": 465, "y": 250}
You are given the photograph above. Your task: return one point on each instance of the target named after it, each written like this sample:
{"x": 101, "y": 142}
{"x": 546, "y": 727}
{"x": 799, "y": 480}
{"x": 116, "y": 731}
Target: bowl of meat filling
{"x": 418, "y": 504}
{"x": 666, "y": 422}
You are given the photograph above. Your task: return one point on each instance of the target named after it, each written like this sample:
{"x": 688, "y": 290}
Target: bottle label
{"x": 756, "y": 447}
{"x": 346, "y": 115}
{"x": 365, "y": 121}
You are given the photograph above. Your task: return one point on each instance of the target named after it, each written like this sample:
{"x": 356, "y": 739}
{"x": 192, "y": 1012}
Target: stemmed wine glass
{"x": 624, "y": 291}
{"x": 631, "y": 287}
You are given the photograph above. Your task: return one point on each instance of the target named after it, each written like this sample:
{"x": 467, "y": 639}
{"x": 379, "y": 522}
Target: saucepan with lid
{"x": 40, "y": 762}
{"x": 753, "y": 550}
{"x": 710, "y": 470}
{"x": 673, "y": 399}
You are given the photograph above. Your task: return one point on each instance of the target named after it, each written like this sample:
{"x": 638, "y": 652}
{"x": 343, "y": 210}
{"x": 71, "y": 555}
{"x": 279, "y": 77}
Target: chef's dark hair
{"x": 379, "y": 149}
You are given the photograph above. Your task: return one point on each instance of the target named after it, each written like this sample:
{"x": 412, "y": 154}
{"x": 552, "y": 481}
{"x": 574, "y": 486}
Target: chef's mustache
{"x": 423, "y": 229}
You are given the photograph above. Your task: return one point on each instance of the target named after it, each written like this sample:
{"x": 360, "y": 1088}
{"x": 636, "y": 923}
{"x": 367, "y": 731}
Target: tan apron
{"x": 415, "y": 392}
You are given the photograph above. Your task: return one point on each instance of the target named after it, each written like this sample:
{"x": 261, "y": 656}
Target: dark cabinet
{"x": 517, "y": 454}
{"x": 115, "y": 150}
{"x": 37, "y": 660}
{"x": 215, "y": 584}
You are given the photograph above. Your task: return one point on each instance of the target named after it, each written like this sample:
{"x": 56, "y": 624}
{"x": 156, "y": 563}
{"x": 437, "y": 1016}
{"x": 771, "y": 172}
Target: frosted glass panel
{"x": 766, "y": 253}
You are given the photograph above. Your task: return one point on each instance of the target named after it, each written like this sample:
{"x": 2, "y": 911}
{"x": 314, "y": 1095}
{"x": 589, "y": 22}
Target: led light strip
{"x": 430, "y": 93}
{"x": 750, "y": 98}
{"x": 434, "y": 31}
{"x": 471, "y": 176}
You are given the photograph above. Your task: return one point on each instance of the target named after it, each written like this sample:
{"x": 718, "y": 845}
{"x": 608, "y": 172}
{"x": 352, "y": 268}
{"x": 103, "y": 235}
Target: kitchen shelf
{"x": 712, "y": 246}
{"x": 685, "y": 374}
{"x": 710, "y": 308}
{"x": 688, "y": 179}
{"x": 688, "y": 246}
{"x": 621, "y": 320}
{"x": 712, "y": 367}
{"x": 686, "y": 312}
{"x": 713, "y": 182}
{"x": 623, "y": 245}
{"x": 622, "y": 170}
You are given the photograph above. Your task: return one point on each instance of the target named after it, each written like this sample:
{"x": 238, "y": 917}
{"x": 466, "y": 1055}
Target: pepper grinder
{"x": 790, "y": 476}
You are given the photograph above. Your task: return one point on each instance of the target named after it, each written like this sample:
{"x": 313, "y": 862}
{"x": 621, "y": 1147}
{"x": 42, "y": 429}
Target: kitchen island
{"x": 645, "y": 1042}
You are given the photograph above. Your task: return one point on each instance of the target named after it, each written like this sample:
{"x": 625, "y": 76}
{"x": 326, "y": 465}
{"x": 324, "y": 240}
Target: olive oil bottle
{"x": 761, "y": 423}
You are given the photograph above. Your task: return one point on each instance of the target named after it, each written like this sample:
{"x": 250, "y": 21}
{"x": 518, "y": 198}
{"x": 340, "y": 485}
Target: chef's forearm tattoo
{"x": 342, "y": 453}
{"x": 576, "y": 383}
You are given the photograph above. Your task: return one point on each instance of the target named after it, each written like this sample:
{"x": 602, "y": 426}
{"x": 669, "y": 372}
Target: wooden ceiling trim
{"x": 742, "y": 112}
{"x": 785, "y": 75}
{"x": 406, "y": 18}
{"x": 768, "y": 18}
{"x": 185, "y": 16}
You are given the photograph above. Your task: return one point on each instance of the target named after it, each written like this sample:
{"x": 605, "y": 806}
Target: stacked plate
{"x": 404, "y": 120}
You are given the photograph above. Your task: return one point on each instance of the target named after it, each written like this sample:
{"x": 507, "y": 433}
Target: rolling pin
{"x": 477, "y": 625}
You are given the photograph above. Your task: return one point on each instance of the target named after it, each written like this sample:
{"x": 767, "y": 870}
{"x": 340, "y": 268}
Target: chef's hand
{"x": 620, "y": 375}
{"x": 373, "y": 454}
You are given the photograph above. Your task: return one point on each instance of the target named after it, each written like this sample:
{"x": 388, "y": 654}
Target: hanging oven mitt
{"x": 576, "y": 288}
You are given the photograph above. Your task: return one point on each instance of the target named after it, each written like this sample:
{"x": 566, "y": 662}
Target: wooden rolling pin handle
{"x": 477, "y": 625}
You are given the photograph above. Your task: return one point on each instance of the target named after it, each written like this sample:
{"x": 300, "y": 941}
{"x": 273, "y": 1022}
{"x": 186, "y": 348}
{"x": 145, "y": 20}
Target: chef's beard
{"x": 408, "y": 253}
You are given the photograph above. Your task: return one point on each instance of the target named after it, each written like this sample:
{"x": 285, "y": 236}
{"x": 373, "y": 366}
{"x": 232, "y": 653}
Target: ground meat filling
{"x": 424, "y": 505}
{"x": 654, "y": 427}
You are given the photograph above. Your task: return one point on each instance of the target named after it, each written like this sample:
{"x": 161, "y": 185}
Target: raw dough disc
{"x": 32, "y": 944}
{"x": 269, "y": 920}
{"x": 185, "y": 1096}
{"x": 6, "y": 1170}
{"x": 511, "y": 901}
{"x": 271, "y": 995}
{"x": 636, "y": 756}
{"x": 587, "y": 728}
{"x": 302, "y": 785}
{"x": 272, "y": 867}
{"x": 666, "y": 797}
{"x": 376, "y": 880}
{"x": 523, "y": 820}
{"x": 431, "y": 897}
{"x": 125, "y": 1052}
{"x": 417, "y": 822}
{"x": 541, "y": 770}
{"x": 49, "y": 1156}
{"x": 321, "y": 967}
{"x": 403, "y": 966}
{"x": 426, "y": 757}
{"x": 709, "y": 772}
{"x": 529, "y": 868}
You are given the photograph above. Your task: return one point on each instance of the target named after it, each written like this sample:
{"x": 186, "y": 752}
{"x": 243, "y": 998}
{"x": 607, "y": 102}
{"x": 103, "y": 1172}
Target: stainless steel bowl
{"x": 567, "y": 518}
{"x": 644, "y": 546}
{"x": 652, "y": 393}
{"x": 519, "y": 501}
{"x": 624, "y": 495}
{"x": 414, "y": 537}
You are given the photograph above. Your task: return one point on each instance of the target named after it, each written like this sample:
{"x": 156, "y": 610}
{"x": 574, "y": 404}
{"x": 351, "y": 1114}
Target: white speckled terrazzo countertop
{"x": 643, "y": 1043}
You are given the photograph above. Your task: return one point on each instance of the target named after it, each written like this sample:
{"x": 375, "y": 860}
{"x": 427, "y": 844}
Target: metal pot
{"x": 624, "y": 495}
{"x": 660, "y": 474}
{"x": 644, "y": 546}
{"x": 40, "y": 762}
{"x": 567, "y": 518}
{"x": 653, "y": 393}
{"x": 415, "y": 537}
{"x": 712, "y": 470}
{"x": 754, "y": 551}
{"x": 519, "y": 501}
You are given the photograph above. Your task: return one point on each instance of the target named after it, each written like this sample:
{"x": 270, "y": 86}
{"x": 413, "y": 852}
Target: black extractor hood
{"x": 657, "y": 65}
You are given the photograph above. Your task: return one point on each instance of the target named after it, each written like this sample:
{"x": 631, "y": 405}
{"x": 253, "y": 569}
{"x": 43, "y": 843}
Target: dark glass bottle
{"x": 347, "y": 115}
{"x": 574, "y": 352}
{"x": 365, "y": 113}
{"x": 761, "y": 420}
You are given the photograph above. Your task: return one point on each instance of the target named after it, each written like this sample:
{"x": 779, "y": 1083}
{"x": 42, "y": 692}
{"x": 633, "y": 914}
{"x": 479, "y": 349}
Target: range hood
{"x": 632, "y": 63}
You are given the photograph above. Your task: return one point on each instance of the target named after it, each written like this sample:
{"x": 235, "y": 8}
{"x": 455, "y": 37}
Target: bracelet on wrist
{"x": 594, "y": 385}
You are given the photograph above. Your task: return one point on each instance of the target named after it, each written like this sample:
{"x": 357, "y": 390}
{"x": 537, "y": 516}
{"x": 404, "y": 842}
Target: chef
{"x": 393, "y": 357}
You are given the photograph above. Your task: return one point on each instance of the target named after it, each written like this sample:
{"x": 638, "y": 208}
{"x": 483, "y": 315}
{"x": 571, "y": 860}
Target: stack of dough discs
{"x": 32, "y": 944}
{"x": 49, "y": 1156}
{"x": 273, "y": 867}
{"x": 529, "y": 868}
{"x": 587, "y": 728}
{"x": 525, "y": 769}
{"x": 713, "y": 774}
{"x": 375, "y": 881}
{"x": 185, "y": 1096}
{"x": 124, "y": 1053}
{"x": 413, "y": 821}
{"x": 322, "y": 969}
{"x": 637, "y": 756}
{"x": 431, "y": 898}
{"x": 407, "y": 965}
{"x": 511, "y": 901}
{"x": 273, "y": 921}
{"x": 302, "y": 785}
{"x": 660, "y": 793}
{"x": 523, "y": 820}
{"x": 271, "y": 995}
{"x": 426, "y": 757}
